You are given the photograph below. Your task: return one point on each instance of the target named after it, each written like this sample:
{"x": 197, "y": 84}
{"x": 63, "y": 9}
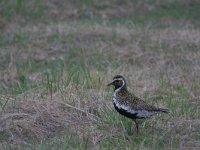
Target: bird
{"x": 129, "y": 105}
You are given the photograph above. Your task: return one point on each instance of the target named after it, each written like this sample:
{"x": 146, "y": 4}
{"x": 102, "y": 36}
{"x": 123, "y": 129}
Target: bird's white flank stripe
{"x": 139, "y": 113}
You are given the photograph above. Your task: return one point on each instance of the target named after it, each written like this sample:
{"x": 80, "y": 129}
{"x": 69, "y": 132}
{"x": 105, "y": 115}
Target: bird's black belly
{"x": 126, "y": 113}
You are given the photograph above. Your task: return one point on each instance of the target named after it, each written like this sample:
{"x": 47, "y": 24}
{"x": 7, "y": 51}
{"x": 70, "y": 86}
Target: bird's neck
{"x": 121, "y": 89}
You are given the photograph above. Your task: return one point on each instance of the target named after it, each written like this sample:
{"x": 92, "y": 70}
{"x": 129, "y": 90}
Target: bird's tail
{"x": 164, "y": 110}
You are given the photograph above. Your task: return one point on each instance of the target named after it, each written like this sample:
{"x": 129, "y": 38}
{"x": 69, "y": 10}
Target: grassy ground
{"x": 56, "y": 58}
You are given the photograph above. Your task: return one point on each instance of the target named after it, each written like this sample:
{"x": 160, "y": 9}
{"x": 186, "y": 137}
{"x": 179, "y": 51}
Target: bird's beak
{"x": 110, "y": 84}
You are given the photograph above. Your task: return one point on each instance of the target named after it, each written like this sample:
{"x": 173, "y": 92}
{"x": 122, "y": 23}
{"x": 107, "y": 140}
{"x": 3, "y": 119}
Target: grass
{"x": 57, "y": 58}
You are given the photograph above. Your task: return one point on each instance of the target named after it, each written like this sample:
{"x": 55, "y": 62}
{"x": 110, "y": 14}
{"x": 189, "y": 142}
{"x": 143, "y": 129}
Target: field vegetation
{"x": 57, "y": 57}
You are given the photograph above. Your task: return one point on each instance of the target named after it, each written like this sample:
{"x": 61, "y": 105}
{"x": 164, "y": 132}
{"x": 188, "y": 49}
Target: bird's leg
{"x": 136, "y": 124}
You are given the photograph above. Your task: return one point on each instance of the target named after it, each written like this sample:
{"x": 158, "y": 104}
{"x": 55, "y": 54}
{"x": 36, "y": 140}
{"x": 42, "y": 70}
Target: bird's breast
{"x": 114, "y": 97}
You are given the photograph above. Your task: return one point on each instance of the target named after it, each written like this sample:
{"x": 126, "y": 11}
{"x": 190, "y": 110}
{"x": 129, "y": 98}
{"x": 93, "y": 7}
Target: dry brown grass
{"x": 37, "y": 118}
{"x": 162, "y": 65}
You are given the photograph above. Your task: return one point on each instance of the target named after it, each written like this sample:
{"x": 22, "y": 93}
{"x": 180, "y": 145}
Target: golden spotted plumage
{"x": 127, "y": 98}
{"x": 129, "y": 105}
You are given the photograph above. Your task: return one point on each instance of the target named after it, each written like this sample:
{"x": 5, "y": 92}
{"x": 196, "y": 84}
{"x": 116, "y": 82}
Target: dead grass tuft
{"x": 48, "y": 118}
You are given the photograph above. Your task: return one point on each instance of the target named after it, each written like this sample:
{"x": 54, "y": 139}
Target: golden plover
{"x": 129, "y": 105}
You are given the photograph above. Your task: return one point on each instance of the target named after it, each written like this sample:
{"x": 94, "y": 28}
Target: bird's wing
{"x": 137, "y": 103}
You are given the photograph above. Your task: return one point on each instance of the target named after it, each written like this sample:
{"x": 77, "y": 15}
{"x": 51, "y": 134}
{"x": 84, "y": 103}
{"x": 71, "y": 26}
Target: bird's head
{"x": 118, "y": 82}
